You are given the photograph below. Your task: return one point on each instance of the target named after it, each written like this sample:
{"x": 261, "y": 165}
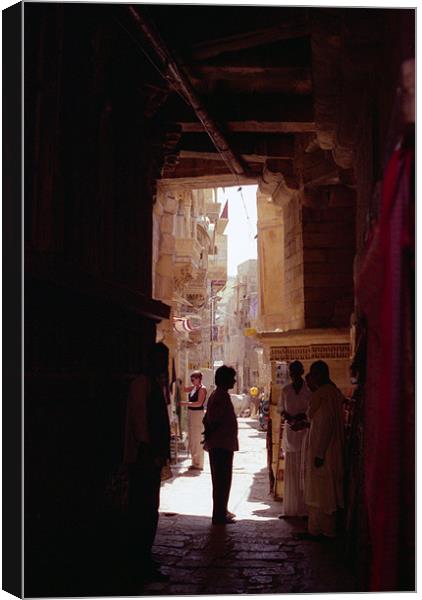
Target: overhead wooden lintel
{"x": 207, "y": 181}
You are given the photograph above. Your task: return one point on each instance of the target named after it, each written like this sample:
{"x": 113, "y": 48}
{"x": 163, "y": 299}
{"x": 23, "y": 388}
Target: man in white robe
{"x": 294, "y": 403}
{"x": 324, "y": 454}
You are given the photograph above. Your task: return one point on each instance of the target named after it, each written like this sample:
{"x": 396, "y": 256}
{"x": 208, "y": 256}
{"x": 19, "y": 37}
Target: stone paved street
{"x": 257, "y": 554}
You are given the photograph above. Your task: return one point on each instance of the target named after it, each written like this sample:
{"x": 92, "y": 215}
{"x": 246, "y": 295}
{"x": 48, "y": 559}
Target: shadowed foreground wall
{"x": 92, "y": 152}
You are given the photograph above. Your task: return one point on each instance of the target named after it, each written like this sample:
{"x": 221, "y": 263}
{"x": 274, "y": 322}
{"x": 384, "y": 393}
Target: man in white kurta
{"x": 293, "y": 405}
{"x": 324, "y": 454}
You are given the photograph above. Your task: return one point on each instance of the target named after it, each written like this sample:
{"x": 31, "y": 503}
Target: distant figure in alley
{"x": 147, "y": 449}
{"x": 197, "y": 395}
{"x": 293, "y": 404}
{"x": 324, "y": 454}
{"x": 221, "y": 441}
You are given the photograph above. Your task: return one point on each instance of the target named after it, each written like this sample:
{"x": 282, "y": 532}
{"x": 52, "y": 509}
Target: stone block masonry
{"x": 328, "y": 252}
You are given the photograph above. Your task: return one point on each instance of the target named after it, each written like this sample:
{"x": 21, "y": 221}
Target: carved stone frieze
{"x": 197, "y": 299}
{"x": 182, "y": 276}
{"x": 310, "y": 352}
{"x": 200, "y": 279}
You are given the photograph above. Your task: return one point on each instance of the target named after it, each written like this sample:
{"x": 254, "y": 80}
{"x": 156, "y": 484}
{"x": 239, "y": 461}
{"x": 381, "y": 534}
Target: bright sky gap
{"x": 241, "y": 228}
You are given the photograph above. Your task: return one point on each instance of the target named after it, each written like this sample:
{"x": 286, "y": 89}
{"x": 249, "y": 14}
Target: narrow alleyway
{"x": 257, "y": 554}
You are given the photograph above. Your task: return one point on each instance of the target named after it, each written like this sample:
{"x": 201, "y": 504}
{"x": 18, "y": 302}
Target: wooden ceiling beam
{"x": 229, "y": 71}
{"x": 207, "y": 181}
{"x": 271, "y": 146}
{"x": 258, "y": 158}
{"x": 191, "y": 167}
{"x": 250, "y": 39}
{"x": 247, "y": 107}
{"x": 250, "y": 79}
{"x": 256, "y": 126}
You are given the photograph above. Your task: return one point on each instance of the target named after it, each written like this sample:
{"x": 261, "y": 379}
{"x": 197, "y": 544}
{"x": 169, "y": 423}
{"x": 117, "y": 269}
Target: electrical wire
{"x": 167, "y": 78}
{"x": 246, "y": 212}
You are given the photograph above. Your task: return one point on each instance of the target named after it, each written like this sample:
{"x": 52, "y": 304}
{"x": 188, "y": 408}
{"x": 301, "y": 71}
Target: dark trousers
{"x": 221, "y": 463}
{"x": 144, "y": 501}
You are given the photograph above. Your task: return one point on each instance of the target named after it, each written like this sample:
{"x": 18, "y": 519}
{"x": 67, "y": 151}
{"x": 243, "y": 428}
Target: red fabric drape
{"x": 385, "y": 295}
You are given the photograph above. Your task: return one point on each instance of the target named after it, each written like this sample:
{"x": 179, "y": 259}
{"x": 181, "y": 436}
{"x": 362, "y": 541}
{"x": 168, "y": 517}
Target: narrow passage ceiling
{"x": 255, "y": 90}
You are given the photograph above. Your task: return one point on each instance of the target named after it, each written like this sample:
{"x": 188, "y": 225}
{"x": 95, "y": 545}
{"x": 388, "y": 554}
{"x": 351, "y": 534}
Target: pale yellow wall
{"x": 294, "y": 305}
{"x": 270, "y": 263}
{"x": 280, "y": 259}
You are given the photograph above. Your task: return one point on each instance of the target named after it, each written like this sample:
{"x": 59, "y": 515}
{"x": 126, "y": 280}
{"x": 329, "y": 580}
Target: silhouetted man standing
{"x": 147, "y": 449}
{"x": 221, "y": 441}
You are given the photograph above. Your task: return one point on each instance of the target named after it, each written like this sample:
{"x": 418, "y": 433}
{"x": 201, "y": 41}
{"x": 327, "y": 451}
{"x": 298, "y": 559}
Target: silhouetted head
{"x": 157, "y": 359}
{"x": 320, "y": 373}
{"x": 296, "y": 370}
{"x": 225, "y": 377}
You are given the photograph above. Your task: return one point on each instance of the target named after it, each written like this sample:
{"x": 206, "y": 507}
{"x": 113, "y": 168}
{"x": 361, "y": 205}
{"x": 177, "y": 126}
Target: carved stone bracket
{"x": 274, "y": 185}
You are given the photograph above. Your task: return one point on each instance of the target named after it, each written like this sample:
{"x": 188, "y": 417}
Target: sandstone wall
{"x": 328, "y": 252}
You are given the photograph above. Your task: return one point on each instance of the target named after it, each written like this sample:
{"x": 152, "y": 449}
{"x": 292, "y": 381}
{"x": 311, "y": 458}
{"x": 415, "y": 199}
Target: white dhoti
{"x": 195, "y": 429}
{"x": 293, "y": 500}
